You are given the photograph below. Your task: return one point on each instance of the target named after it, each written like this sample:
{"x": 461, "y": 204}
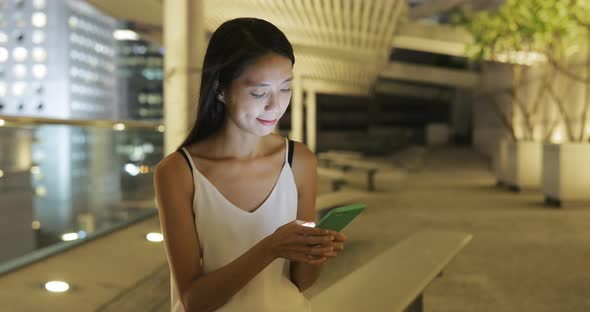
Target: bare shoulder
{"x": 174, "y": 170}
{"x": 304, "y": 166}
{"x": 303, "y": 157}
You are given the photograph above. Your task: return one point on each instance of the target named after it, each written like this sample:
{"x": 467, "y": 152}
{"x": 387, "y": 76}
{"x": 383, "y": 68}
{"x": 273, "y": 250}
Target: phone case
{"x": 340, "y": 217}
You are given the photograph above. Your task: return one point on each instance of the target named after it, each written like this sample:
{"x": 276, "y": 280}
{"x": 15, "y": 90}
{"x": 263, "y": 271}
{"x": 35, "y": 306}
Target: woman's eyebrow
{"x": 262, "y": 84}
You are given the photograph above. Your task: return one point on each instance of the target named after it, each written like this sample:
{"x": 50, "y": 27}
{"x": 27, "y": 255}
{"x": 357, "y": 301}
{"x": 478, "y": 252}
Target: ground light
{"x": 155, "y": 237}
{"x": 57, "y": 286}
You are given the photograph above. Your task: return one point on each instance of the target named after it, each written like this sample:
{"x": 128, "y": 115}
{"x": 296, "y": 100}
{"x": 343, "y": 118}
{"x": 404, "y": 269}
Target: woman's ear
{"x": 218, "y": 92}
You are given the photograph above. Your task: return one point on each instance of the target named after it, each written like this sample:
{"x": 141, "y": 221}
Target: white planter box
{"x": 437, "y": 134}
{"x": 566, "y": 173}
{"x": 525, "y": 165}
{"x": 501, "y": 162}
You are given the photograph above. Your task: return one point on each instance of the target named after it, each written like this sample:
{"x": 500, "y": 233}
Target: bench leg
{"x": 416, "y": 306}
{"x": 345, "y": 168}
{"x": 371, "y": 180}
{"x": 337, "y": 184}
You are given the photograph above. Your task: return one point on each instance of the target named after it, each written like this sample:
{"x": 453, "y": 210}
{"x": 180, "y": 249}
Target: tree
{"x": 525, "y": 32}
{"x": 559, "y": 28}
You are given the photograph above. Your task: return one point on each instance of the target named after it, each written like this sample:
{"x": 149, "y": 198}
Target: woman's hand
{"x": 296, "y": 242}
{"x": 338, "y": 243}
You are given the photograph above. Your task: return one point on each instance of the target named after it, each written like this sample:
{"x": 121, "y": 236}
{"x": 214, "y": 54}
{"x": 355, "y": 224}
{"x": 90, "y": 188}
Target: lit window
{"x": 39, "y": 71}
{"x": 19, "y": 54}
{"x": 73, "y": 22}
{"x": 38, "y": 37}
{"x": 39, "y": 54}
{"x": 39, "y": 4}
{"x": 153, "y": 99}
{"x": 18, "y": 88}
{"x": 139, "y": 49}
{"x": 3, "y": 55}
{"x": 21, "y": 23}
{"x": 3, "y": 37}
{"x": 39, "y": 19}
{"x": 20, "y": 71}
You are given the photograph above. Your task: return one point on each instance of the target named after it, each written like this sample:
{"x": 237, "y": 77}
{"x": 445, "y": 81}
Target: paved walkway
{"x": 524, "y": 255}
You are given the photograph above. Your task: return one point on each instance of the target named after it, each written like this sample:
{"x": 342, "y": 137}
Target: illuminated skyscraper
{"x": 140, "y": 75}
{"x": 57, "y": 59}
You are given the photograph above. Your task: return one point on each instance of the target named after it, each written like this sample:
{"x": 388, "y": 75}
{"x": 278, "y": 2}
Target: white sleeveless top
{"x": 226, "y": 232}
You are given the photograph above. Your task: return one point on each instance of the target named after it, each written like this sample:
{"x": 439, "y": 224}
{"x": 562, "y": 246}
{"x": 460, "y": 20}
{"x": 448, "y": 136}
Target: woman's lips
{"x": 267, "y": 122}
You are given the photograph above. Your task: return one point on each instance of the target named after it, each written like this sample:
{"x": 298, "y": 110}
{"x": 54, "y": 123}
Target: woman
{"x": 233, "y": 199}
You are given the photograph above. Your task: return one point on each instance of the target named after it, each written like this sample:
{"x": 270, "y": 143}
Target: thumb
{"x": 305, "y": 223}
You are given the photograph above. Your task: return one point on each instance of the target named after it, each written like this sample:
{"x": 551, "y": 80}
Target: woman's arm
{"x": 198, "y": 292}
{"x": 303, "y": 275}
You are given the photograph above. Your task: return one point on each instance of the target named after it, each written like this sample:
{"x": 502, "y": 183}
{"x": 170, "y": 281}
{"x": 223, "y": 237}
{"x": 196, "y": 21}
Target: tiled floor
{"x": 524, "y": 255}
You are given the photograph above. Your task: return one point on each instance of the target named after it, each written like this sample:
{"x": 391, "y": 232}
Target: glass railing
{"x": 63, "y": 183}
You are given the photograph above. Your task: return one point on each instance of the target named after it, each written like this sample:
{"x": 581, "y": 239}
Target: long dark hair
{"x": 234, "y": 45}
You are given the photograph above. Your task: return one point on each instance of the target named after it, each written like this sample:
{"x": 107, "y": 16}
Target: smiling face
{"x": 259, "y": 97}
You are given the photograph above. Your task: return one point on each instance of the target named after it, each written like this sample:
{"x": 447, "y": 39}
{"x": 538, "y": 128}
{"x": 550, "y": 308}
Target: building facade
{"x": 57, "y": 60}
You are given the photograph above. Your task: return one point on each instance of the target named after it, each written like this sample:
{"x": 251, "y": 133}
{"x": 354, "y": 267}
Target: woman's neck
{"x": 230, "y": 142}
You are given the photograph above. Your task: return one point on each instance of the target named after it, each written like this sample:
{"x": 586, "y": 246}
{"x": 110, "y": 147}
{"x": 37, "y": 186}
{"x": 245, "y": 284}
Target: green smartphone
{"x": 337, "y": 218}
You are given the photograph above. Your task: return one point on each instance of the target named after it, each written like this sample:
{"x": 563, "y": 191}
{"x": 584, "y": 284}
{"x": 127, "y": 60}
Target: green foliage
{"x": 550, "y": 27}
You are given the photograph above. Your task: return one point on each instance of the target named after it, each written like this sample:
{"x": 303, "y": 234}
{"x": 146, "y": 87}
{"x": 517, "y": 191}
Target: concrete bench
{"x": 352, "y": 154}
{"x": 346, "y": 164}
{"x": 394, "y": 280}
{"x": 326, "y": 158}
{"x": 336, "y": 176}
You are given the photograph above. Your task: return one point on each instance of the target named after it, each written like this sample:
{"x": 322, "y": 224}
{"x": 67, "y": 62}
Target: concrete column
{"x": 297, "y": 108}
{"x": 311, "y": 120}
{"x": 184, "y": 44}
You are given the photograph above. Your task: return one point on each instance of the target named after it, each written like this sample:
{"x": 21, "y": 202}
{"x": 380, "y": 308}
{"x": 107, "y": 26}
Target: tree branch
{"x": 587, "y": 91}
{"x": 563, "y": 112}
{"x": 568, "y": 73}
{"x": 551, "y": 129}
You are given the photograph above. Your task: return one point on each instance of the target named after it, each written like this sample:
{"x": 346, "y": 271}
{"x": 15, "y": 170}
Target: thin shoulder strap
{"x": 188, "y": 159}
{"x": 191, "y": 165}
{"x": 290, "y": 150}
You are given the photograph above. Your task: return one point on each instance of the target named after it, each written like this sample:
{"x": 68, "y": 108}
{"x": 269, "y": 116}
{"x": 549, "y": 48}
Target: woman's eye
{"x": 258, "y": 96}
{"x": 286, "y": 90}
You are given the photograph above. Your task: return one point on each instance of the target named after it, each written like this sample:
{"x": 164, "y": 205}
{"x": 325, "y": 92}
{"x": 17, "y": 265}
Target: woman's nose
{"x": 272, "y": 104}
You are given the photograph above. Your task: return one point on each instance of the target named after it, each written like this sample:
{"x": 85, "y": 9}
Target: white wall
{"x": 487, "y": 127}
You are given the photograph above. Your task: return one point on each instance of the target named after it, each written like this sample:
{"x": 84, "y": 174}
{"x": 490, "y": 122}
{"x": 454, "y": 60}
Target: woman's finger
{"x": 315, "y": 240}
{"x": 338, "y": 246}
{"x": 309, "y": 231}
{"x": 315, "y": 251}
